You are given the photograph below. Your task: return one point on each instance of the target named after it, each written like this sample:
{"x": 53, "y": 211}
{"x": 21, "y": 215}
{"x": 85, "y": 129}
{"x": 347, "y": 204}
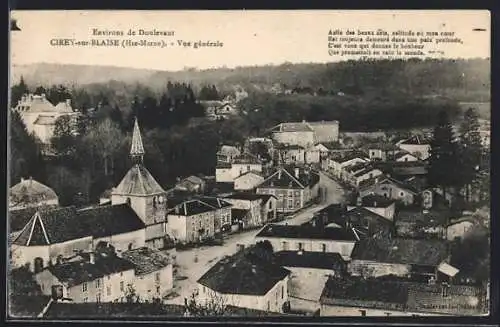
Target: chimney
{"x": 177, "y": 210}
{"x": 297, "y": 172}
{"x": 68, "y": 102}
{"x": 279, "y": 174}
{"x": 31, "y": 180}
{"x": 359, "y": 201}
{"x": 375, "y": 203}
{"x": 92, "y": 257}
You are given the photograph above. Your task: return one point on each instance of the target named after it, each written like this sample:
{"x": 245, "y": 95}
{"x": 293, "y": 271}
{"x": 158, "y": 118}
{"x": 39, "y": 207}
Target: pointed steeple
{"x": 137, "y": 149}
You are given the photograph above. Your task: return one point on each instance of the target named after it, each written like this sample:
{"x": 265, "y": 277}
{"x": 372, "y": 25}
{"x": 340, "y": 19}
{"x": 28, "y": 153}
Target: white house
{"x": 309, "y": 239}
{"x": 243, "y": 281}
{"x": 403, "y": 156}
{"x": 55, "y": 233}
{"x": 378, "y": 204}
{"x": 417, "y": 146}
{"x": 191, "y": 221}
{"x": 153, "y": 272}
{"x": 338, "y": 162}
{"x": 459, "y": 228}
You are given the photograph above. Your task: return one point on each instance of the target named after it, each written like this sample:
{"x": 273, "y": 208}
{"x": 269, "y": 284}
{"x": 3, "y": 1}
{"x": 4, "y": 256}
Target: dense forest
{"x": 363, "y": 96}
{"x": 462, "y": 80}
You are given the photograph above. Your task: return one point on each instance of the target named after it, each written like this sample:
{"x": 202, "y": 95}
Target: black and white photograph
{"x": 248, "y": 163}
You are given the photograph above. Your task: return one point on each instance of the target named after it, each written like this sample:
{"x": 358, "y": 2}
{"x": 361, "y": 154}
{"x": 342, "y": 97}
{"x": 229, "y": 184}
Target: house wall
{"x": 390, "y": 191}
{"x": 326, "y": 132}
{"x": 373, "y": 173}
{"x": 155, "y": 231}
{"x": 336, "y": 310}
{"x": 305, "y": 287}
{"x": 387, "y": 212}
{"x": 195, "y": 223}
{"x": 377, "y": 269}
{"x": 269, "y": 210}
{"x": 22, "y": 255}
{"x": 155, "y": 284}
{"x": 43, "y": 132}
{"x": 344, "y": 248}
{"x": 304, "y": 139}
{"x": 224, "y": 175}
{"x": 247, "y": 182}
{"x": 111, "y": 283}
{"x": 176, "y": 227}
{"x": 258, "y": 302}
{"x": 122, "y": 242}
{"x": 288, "y": 200}
{"x": 223, "y": 217}
{"x": 421, "y": 151}
{"x": 255, "y": 208}
{"x": 293, "y": 156}
{"x": 313, "y": 156}
{"x": 238, "y": 169}
{"x": 377, "y": 154}
{"x": 458, "y": 230}
{"x": 46, "y": 280}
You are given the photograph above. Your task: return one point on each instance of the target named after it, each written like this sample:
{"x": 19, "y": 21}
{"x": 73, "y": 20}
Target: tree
{"x": 64, "y": 140}
{"x": 25, "y": 155}
{"x": 470, "y": 140}
{"x": 17, "y": 91}
{"x": 212, "y": 305}
{"x": 444, "y": 162}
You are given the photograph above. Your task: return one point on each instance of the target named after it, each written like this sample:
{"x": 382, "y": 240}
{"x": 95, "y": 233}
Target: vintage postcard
{"x": 248, "y": 163}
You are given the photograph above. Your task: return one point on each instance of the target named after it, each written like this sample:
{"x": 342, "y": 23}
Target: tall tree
{"x": 444, "y": 161}
{"x": 470, "y": 140}
{"x": 64, "y": 141}
{"x": 17, "y": 91}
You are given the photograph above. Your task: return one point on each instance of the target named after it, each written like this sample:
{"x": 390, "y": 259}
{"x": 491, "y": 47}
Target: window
{"x": 285, "y": 246}
{"x": 109, "y": 277}
{"x": 387, "y": 314}
{"x": 108, "y": 291}
{"x": 363, "y": 313}
{"x": 282, "y": 292}
{"x": 401, "y": 194}
{"x": 85, "y": 300}
{"x": 270, "y": 204}
{"x": 121, "y": 274}
{"x": 323, "y": 247}
{"x": 301, "y": 246}
{"x": 290, "y": 203}
{"x": 84, "y": 287}
{"x": 248, "y": 168}
{"x": 290, "y": 194}
{"x": 121, "y": 286}
{"x": 157, "y": 276}
{"x": 371, "y": 175}
{"x": 98, "y": 298}
{"x": 97, "y": 283}
{"x": 268, "y": 306}
{"x": 157, "y": 289}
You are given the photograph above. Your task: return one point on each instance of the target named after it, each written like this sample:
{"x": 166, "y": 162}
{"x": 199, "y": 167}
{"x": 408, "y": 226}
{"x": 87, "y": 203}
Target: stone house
{"x": 250, "y": 202}
{"x": 245, "y": 281}
{"x": 248, "y": 181}
{"x": 294, "y": 187}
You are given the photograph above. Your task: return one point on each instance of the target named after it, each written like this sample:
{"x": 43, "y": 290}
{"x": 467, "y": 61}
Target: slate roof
{"x": 370, "y": 293}
{"x": 364, "y": 171}
{"x": 214, "y": 201}
{"x": 19, "y": 218}
{"x": 429, "y": 218}
{"x": 292, "y": 127}
{"x": 29, "y": 190}
{"x": 57, "y": 225}
{"x": 358, "y": 212}
{"x": 308, "y": 259}
{"x": 399, "y": 295}
{"x": 222, "y": 164}
{"x": 45, "y": 120}
{"x": 190, "y": 208}
{"x": 415, "y": 140}
{"x": 146, "y": 260}
{"x": 244, "y": 196}
{"x": 78, "y": 272}
{"x": 344, "y": 157}
{"x": 403, "y": 251}
{"x": 398, "y": 183}
{"x": 307, "y": 232}
{"x": 376, "y": 201}
{"x": 244, "y": 274}
{"x": 289, "y": 180}
{"x": 138, "y": 181}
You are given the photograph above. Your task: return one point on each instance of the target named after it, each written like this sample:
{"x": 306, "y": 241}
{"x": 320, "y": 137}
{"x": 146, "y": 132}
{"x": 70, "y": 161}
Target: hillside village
{"x": 301, "y": 219}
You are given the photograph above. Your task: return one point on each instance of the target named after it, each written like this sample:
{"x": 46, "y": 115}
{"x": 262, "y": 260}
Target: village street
{"x": 193, "y": 263}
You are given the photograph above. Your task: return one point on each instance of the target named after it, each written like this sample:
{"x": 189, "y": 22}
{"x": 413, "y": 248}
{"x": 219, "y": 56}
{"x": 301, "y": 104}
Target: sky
{"x": 249, "y": 37}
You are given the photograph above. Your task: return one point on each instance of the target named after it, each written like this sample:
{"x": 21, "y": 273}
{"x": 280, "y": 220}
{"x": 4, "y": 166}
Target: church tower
{"x": 143, "y": 193}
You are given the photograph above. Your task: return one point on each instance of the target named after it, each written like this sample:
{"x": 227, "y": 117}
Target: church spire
{"x": 137, "y": 149}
